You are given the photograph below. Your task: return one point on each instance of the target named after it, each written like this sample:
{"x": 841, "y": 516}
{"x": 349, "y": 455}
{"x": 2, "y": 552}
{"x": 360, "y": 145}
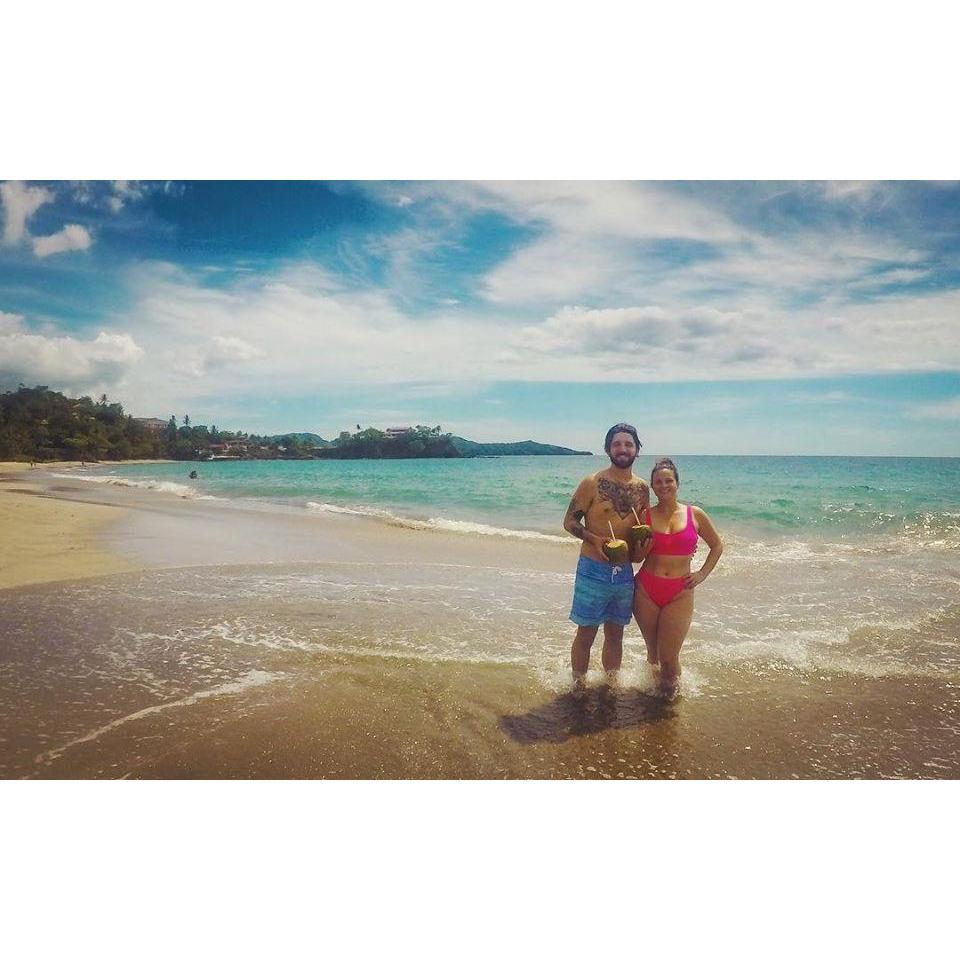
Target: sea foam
{"x": 436, "y": 523}
{"x": 181, "y": 490}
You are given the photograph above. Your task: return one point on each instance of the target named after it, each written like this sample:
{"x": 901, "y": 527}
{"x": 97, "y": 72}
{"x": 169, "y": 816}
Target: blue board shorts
{"x": 602, "y": 593}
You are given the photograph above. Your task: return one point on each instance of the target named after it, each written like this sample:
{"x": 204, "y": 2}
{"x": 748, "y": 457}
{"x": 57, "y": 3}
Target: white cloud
{"x": 64, "y": 362}
{"x": 676, "y": 343}
{"x": 656, "y": 344}
{"x": 290, "y": 331}
{"x": 20, "y": 202}
{"x": 905, "y": 275}
{"x": 124, "y": 191}
{"x": 627, "y": 210}
{"x": 10, "y": 323}
{"x": 235, "y": 349}
{"x": 590, "y": 238}
{"x": 605, "y": 242}
{"x": 300, "y": 329}
{"x": 819, "y": 398}
{"x": 882, "y": 282}
{"x": 860, "y": 191}
{"x": 71, "y": 237}
{"x": 203, "y": 358}
{"x": 82, "y": 191}
{"x": 943, "y": 410}
{"x": 558, "y": 268}
{"x": 802, "y": 262}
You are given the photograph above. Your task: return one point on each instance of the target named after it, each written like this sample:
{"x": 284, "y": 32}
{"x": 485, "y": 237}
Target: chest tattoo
{"x": 622, "y": 498}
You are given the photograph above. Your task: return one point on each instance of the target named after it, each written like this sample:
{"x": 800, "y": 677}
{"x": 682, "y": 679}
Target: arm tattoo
{"x": 574, "y": 511}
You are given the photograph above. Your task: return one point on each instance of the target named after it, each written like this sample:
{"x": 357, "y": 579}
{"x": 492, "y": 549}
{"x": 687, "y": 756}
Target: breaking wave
{"x": 437, "y": 523}
{"x": 181, "y": 490}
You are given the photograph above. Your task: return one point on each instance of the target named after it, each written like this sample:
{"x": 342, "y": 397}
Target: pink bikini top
{"x": 680, "y": 544}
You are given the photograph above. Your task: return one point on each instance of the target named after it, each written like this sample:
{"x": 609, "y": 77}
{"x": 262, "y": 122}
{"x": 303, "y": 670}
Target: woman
{"x": 663, "y": 597}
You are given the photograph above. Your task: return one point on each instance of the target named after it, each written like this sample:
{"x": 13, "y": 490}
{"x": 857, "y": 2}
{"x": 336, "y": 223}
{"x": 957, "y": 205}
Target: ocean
{"x": 812, "y": 498}
{"x": 825, "y": 643}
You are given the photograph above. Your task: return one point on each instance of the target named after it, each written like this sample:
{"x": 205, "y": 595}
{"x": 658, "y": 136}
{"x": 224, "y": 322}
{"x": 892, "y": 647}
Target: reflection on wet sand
{"x": 583, "y": 714}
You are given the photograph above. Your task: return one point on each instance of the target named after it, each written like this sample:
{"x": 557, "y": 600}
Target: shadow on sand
{"x": 577, "y": 715}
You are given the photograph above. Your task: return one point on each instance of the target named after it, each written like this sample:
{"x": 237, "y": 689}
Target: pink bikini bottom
{"x": 661, "y": 590}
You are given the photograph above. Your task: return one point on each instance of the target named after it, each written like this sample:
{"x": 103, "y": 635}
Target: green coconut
{"x": 640, "y": 532}
{"x": 617, "y": 551}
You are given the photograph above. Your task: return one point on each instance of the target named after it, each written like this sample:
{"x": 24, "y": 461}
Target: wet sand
{"x": 347, "y": 717}
{"x": 278, "y": 645}
{"x": 405, "y": 721}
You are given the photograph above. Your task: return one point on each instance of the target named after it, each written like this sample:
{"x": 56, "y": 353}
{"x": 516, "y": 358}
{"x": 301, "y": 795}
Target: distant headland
{"x": 38, "y": 424}
{"x": 421, "y": 441}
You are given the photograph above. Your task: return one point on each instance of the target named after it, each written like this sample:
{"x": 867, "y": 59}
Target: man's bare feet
{"x": 669, "y": 691}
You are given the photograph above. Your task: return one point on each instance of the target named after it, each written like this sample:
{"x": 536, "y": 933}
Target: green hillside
{"x": 37, "y": 423}
{"x": 522, "y": 448}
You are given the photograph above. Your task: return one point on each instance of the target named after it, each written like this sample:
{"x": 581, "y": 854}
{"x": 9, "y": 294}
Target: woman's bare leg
{"x": 672, "y": 630}
{"x": 647, "y": 614}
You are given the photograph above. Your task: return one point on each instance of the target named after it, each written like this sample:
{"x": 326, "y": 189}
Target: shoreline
{"x": 62, "y": 530}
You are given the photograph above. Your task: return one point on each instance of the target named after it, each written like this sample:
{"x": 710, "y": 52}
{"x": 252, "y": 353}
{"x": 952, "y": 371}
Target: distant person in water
{"x": 603, "y": 591}
{"x": 663, "y": 602}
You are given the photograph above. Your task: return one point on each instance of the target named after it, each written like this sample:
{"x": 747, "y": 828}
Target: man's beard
{"x": 623, "y": 466}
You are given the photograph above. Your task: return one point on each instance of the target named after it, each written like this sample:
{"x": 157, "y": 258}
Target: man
{"x": 603, "y": 592}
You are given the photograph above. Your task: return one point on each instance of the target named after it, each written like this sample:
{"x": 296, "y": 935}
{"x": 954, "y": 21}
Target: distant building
{"x": 394, "y": 432}
{"x": 152, "y": 424}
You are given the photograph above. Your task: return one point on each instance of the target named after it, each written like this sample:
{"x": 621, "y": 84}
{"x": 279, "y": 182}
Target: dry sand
{"x": 45, "y": 540}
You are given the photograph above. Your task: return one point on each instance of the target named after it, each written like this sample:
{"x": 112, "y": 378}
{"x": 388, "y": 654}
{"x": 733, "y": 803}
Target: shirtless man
{"x": 603, "y": 592}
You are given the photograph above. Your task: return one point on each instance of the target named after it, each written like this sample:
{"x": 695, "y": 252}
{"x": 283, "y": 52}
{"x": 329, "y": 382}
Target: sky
{"x": 719, "y": 317}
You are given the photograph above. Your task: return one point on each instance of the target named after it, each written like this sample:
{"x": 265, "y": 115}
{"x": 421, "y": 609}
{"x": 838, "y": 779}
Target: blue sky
{"x": 719, "y": 317}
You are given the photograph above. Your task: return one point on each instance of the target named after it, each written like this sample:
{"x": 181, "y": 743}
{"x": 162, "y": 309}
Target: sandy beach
{"x": 154, "y": 636}
{"x": 45, "y": 539}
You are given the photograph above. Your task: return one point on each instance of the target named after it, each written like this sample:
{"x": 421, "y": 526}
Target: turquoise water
{"x": 820, "y": 498}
